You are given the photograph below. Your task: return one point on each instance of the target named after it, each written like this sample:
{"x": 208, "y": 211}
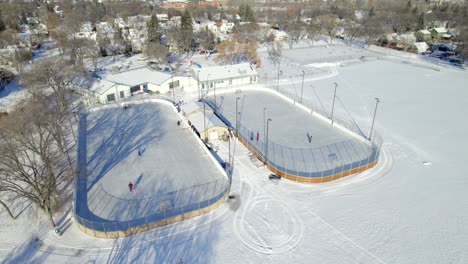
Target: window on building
{"x": 110, "y": 97}
{"x": 122, "y": 94}
{"x": 135, "y": 89}
{"x": 174, "y": 84}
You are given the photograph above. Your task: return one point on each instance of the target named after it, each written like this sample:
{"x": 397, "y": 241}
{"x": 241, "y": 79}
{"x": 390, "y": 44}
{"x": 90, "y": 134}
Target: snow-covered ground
{"x": 410, "y": 208}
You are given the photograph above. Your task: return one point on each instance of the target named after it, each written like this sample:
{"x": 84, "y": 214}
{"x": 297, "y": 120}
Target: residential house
{"x": 418, "y": 47}
{"x": 437, "y": 33}
{"x": 423, "y": 35}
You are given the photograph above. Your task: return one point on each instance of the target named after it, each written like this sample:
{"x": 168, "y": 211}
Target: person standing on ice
{"x": 251, "y": 135}
{"x": 130, "y": 186}
{"x": 258, "y": 136}
{"x": 309, "y": 137}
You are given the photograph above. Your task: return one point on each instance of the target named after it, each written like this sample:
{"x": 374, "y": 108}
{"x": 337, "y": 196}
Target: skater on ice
{"x": 57, "y": 231}
{"x": 251, "y": 135}
{"x": 139, "y": 152}
{"x": 130, "y": 186}
{"x": 309, "y": 137}
{"x": 258, "y": 136}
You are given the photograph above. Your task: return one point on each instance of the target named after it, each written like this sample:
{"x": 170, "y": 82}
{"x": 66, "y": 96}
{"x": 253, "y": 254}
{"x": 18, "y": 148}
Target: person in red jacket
{"x": 130, "y": 186}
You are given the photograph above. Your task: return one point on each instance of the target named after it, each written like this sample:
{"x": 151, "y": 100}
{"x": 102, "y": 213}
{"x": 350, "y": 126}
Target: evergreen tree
{"x": 2, "y": 24}
{"x": 371, "y": 12}
{"x": 408, "y": 7}
{"x": 154, "y": 31}
{"x": 186, "y": 31}
{"x": 210, "y": 16}
{"x": 421, "y": 21}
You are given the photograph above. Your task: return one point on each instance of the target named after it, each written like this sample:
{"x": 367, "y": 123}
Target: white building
{"x": 224, "y": 76}
{"x": 205, "y": 123}
{"x": 114, "y": 87}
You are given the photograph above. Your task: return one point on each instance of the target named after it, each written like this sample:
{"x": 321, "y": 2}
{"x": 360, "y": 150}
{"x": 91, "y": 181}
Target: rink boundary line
{"x": 166, "y": 221}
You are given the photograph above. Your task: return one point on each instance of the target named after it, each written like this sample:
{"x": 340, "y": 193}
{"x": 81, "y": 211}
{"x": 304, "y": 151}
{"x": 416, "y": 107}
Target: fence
{"x": 169, "y": 208}
{"x": 314, "y": 165}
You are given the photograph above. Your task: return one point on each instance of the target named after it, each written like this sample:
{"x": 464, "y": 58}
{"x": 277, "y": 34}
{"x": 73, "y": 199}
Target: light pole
{"x": 214, "y": 91}
{"x": 198, "y": 82}
{"x": 237, "y": 122}
{"x": 302, "y": 87}
{"x": 204, "y": 121}
{"x": 333, "y": 105}
{"x": 266, "y": 151}
{"x": 277, "y": 79}
{"x": 173, "y": 88}
{"x": 377, "y": 101}
{"x": 264, "y": 133}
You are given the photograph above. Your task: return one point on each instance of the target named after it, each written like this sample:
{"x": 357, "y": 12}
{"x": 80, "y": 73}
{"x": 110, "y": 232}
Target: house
{"x": 418, "y": 47}
{"x": 423, "y": 35}
{"x": 405, "y": 40}
{"x": 437, "y": 33}
{"x": 162, "y": 18}
{"x": 205, "y": 123}
{"x": 175, "y": 4}
{"x": 224, "y": 76}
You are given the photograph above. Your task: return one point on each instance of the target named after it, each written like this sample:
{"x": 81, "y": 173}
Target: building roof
{"x": 137, "y": 76}
{"x": 211, "y": 120}
{"x": 440, "y": 30}
{"x": 224, "y": 72}
{"x": 193, "y": 106}
{"x": 424, "y": 31}
{"x": 94, "y": 85}
{"x": 421, "y": 46}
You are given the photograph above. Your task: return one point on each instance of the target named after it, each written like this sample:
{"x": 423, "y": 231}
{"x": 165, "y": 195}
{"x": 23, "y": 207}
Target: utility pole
{"x": 266, "y": 151}
{"x": 277, "y": 79}
{"x": 333, "y": 105}
{"x": 302, "y": 87}
{"x": 377, "y": 101}
{"x": 198, "y": 82}
{"x": 237, "y": 122}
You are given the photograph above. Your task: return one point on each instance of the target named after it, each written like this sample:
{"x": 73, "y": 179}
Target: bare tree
{"x": 31, "y": 166}
{"x": 237, "y": 50}
{"x": 275, "y": 51}
{"x": 295, "y": 31}
{"x": 328, "y": 24}
{"x": 353, "y": 30}
{"x": 156, "y": 50}
{"x": 54, "y": 79}
{"x": 206, "y": 39}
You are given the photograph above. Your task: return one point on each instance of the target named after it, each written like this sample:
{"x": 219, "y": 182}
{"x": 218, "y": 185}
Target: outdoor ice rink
{"x": 289, "y": 131}
{"x": 171, "y": 160}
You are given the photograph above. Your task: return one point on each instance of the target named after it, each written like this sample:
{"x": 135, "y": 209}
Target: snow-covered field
{"x": 410, "y": 208}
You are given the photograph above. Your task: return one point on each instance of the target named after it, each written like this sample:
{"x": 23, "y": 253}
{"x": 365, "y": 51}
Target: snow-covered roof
{"x": 440, "y": 30}
{"x": 424, "y": 31}
{"x": 137, "y": 76}
{"x": 446, "y": 36}
{"x": 211, "y": 120}
{"x": 224, "y": 72}
{"x": 421, "y": 46}
{"x": 193, "y": 106}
